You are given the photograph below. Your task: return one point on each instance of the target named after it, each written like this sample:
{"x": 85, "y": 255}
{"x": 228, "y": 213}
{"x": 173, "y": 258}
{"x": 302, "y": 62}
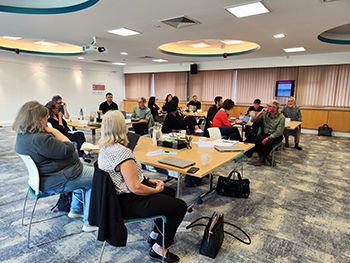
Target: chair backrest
{"x": 214, "y": 132}
{"x": 34, "y": 178}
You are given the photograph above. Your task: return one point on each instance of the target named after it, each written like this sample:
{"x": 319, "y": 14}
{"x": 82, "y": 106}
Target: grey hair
{"x": 28, "y": 119}
{"x": 276, "y": 103}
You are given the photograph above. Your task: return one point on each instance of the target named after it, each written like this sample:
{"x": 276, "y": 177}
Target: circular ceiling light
{"x": 40, "y": 47}
{"x": 338, "y": 35}
{"x": 44, "y": 7}
{"x": 209, "y": 48}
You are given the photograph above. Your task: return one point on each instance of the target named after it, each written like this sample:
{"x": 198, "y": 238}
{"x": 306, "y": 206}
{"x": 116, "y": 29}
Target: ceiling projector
{"x": 94, "y": 47}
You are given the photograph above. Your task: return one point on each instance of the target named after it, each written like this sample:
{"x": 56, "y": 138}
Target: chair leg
{"x": 30, "y": 222}
{"x": 102, "y": 251}
{"x": 24, "y": 207}
{"x": 163, "y": 241}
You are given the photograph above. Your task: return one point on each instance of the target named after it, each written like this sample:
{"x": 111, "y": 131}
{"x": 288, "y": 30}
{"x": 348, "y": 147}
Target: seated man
{"x": 293, "y": 112}
{"x": 195, "y": 102}
{"x": 108, "y": 104}
{"x": 143, "y": 114}
{"x": 214, "y": 108}
{"x": 252, "y": 131}
{"x": 272, "y": 123}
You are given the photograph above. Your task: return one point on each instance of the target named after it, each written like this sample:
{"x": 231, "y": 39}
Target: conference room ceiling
{"x": 300, "y": 20}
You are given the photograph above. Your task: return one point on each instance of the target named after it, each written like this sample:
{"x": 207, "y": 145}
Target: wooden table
{"x": 77, "y": 125}
{"x": 216, "y": 159}
{"x": 195, "y": 114}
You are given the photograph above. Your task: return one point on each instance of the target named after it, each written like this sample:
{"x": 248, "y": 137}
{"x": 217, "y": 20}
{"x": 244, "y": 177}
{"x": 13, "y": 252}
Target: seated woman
{"x": 222, "y": 122}
{"x": 57, "y": 122}
{"x": 60, "y": 169}
{"x": 138, "y": 196}
{"x": 168, "y": 98}
{"x": 154, "y": 108}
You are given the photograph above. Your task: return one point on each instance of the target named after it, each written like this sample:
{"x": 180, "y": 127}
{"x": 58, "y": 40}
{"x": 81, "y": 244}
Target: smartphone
{"x": 193, "y": 170}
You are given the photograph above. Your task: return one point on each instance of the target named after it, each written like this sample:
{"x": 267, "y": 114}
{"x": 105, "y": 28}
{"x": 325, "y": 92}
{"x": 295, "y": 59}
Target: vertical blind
{"x": 137, "y": 85}
{"x": 170, "y": 82}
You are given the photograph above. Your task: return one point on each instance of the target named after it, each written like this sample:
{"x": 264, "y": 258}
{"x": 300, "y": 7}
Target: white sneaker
{"x": 75, "y": 215}
{"x": 198, "y": 131}
{"x": 89, "y": 228}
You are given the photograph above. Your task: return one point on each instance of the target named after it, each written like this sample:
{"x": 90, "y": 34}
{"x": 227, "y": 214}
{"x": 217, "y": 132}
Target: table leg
{"x": 179, "y": 185}
{"x": 93, "y": 133}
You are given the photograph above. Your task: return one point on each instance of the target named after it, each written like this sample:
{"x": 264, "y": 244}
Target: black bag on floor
{"x": 63, "y": 203}
{"x": 228, "y": 186}
{"x": 325, "y": 130}
{"x": 213, "y": 236}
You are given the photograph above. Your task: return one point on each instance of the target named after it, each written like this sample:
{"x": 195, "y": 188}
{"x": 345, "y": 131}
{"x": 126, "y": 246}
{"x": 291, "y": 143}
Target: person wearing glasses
{"x": 272, "y": 123}
{"x": 63, "y": 106}
{"x": 293, "y": 112}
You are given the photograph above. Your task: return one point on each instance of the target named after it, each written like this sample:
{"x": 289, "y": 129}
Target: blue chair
{"x": 137, "y": 220}
{"x": 33, "y": 189}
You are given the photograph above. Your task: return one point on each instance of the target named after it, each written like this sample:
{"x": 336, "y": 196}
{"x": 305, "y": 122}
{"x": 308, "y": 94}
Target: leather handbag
{"x": 229, "y": 186}
{"x": 214, "y": 234}
{"x": 325, "y": 130}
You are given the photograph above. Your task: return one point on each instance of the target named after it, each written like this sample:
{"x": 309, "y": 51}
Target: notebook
{"x": 227, "y": 148}
{"x": 133, "y": 138}
{"x": 177, "y": 162}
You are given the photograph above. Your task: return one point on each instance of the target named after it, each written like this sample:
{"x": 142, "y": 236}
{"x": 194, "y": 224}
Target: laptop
{"x": 133, "y": 139}
{"x": 227, "y": 148}
{"x": 177, "y": 162}
{"x": 246, "y": 118}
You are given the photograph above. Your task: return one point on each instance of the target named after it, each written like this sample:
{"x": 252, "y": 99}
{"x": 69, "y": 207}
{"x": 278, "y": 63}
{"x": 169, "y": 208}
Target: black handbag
{"x": 228, "y": 186}
{"x": 213, "y": 236}
{"x": 325, "y": 130}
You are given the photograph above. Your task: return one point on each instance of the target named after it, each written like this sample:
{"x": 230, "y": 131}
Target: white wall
{"x": 24, "y": 78}
{"x": 237, "y": 63}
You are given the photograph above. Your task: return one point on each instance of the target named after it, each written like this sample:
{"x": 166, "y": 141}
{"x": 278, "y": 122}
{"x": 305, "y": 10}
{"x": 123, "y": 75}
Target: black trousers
{"x": 264, "y": 150}
{"x": 141, "y": 128}
{"x": 79, "y": 138}
{"x": 164, "y": 203}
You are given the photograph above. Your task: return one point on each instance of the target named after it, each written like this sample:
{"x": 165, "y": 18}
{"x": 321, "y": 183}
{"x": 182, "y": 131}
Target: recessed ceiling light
{"x": 199, "y": 45}
{"x": 11, "y": 38}
{"x": 294, "y": 49}
{"x": 119, "y": 63}
{"x": 45, "y": 43}
{"x": 159, "y": 60}
{"x": 232, "y": 42}
{"x": 81, "y": 58}
{"x": 124, "y": 32}
{"x": 248, "y": 9}
{"x": 124, "y": 53}
{"x": 279, "y": 36}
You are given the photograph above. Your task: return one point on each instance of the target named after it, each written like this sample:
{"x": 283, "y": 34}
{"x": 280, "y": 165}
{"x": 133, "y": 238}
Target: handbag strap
{"x": 245, "y": 242}
{"x": 234, "y": 171}
{"x": 192, "y": 224}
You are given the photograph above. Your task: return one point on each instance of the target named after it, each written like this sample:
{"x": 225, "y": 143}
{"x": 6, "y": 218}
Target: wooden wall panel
{"x": 312, "y": 119}
{"x": 339, "y": 120}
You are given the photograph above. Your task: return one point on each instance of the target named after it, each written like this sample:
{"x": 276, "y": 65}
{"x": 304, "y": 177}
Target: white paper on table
{"x": 89, "y": 147}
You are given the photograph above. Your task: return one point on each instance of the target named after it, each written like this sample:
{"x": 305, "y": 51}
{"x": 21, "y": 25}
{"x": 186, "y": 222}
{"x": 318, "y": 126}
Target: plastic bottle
{"x": 241, "y": 116}
{"x": 175, "y": 144}
{"x": 81, "y": 114}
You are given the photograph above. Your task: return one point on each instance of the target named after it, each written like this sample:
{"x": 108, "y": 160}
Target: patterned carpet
{"x": 298, "y": 211}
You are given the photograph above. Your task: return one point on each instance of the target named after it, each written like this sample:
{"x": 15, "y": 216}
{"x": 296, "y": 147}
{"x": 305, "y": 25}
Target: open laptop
{"x": 227, "y": 148}
{"x": 177, "y": 162}
{"x": 133, "y": 139}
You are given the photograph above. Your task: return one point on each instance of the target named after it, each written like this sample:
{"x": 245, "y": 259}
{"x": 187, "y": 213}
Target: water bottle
{"x": 241, "y": 116}
{"x": 175, "y": 144}
{"x": 81, "y": 114}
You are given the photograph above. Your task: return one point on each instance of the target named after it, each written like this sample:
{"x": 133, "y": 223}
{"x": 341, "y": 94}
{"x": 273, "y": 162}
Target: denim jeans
{"x": 82, "y": 182}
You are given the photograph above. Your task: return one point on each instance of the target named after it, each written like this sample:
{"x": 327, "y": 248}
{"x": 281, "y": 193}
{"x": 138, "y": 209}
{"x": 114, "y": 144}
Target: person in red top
{"x": 222, "y": 122}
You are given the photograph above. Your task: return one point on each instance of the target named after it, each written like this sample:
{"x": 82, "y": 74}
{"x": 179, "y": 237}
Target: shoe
{"x": 286, "y": 145}
{"x": 169, "y": 257}
{"x": 198, "y": 131}
{"x": 89, "y": 228}
{"x": 259, "y": 162}
{"x": 298, "y": 147}
{"x": 151, "y": 241}
{"x": 269, "y": 159}
{"x": 72, "y": 214}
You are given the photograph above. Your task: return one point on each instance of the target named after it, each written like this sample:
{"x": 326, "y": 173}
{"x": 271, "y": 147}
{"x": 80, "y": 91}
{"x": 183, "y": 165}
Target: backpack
{"x": 63, "y": 203}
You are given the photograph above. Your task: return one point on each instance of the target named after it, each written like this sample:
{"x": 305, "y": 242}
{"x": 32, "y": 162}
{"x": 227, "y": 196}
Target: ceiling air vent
{"x": 145, "y": 57}
{"x": 180, "y": 22}
{"x": 103, "y": 61}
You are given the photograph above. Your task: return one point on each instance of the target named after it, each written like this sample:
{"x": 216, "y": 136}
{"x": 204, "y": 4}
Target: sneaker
{"x": 169, "y": 257}
{"x": 72, "y": 214}
{"x": 89, "y": 228}
{"x": 198, "y": 131}
{"x": 151, "y": 241}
